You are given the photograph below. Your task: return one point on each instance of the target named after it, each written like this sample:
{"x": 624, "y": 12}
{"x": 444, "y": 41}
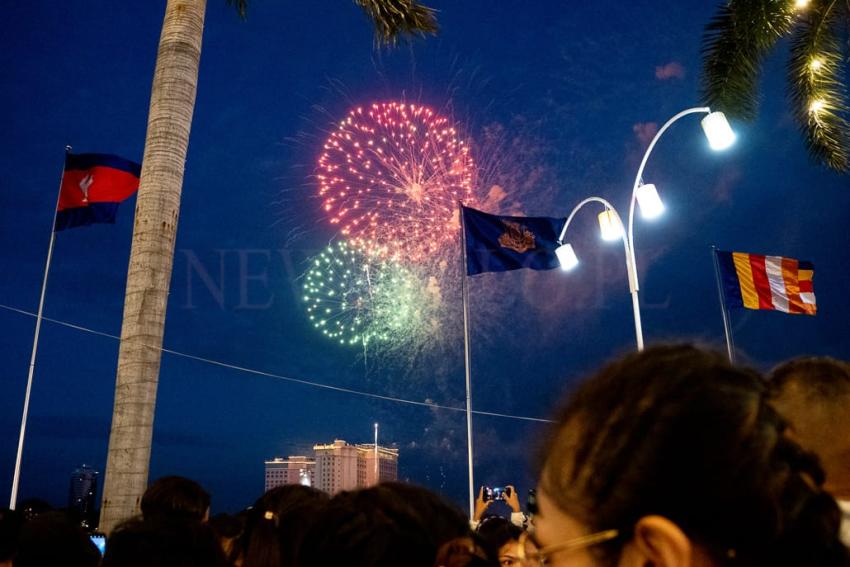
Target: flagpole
{"x": 730, "y": 346}
{"x": 13, "y": 500}
{"x": 467, "y": 358}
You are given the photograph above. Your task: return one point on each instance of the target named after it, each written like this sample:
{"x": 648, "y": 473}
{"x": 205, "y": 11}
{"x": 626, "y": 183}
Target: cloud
{"x": 644, "y": 131}
{"x": 671, "y": 70}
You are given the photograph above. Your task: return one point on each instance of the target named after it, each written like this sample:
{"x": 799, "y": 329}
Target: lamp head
{"x": 610, "y": 225}
{"x": 649, "y": 202}
{"x": 718, "y": 131}
{"x": 566, "y": 256}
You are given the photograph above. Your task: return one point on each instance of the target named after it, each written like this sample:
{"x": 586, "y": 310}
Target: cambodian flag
{"x": 92, "y": 187}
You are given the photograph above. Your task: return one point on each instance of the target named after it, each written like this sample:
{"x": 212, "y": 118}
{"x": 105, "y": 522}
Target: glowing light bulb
{"x": 817, "y": 105}
{"x": 649, "y": 202}
{"x": 566, "y": 257}
{"x": 610, "y": 226}
{"x": 815, "y": 64}
{"x": 801, "y": 4}
{"x": 718, "y": 131}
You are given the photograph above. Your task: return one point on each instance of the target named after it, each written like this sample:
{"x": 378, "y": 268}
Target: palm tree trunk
{"x": 172, "y": 103}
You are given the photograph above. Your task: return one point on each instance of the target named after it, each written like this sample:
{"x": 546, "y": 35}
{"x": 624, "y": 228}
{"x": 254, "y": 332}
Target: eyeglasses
{"x": 539, "y": 556}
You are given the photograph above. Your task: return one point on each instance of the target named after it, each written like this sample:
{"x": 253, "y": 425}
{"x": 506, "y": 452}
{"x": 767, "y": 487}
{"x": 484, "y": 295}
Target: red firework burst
{"x": 391, "y": 176}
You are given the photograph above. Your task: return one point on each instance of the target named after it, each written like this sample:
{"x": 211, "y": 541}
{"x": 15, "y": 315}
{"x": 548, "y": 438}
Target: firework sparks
{"x": 391, "y": 175}
{"x": 357, "y": 300}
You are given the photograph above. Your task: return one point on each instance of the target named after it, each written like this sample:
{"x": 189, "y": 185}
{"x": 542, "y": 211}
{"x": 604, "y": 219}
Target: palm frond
{"x": 395, "y": 18}
{"x": 735, "y": 43}
{"x": 241, "y": 7}
{"x": 817, "y": 89}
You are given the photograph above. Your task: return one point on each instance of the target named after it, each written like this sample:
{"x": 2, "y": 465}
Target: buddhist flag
{"x": 92, "y": 187}
{"x": 754, "y": 281}
{"x": 501, "y": 243}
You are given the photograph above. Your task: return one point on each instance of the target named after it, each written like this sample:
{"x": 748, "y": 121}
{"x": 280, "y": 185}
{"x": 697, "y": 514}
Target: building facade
{"x": 335, "y": 467}
{"x": 82, "y": 494}
{"x": 295, "y": 469}
{"x": 370, "y": 474}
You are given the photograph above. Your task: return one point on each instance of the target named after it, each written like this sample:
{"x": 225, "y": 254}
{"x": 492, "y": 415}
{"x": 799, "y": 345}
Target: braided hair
{"x": 677, "y": 431}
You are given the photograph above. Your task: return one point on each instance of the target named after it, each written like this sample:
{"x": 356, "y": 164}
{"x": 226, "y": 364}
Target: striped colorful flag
{"x": 754, "y": 281}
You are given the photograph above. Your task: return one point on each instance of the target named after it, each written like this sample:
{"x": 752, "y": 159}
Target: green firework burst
{"x": 357, "y": 300}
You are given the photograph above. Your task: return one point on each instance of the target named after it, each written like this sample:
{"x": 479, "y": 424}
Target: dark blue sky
{"x": 573, "y": 89}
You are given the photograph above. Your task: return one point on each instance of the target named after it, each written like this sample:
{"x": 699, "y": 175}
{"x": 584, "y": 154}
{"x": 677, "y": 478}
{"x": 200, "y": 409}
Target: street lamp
{"x": 610, "y": 228}
{"x": 720, "y": 136}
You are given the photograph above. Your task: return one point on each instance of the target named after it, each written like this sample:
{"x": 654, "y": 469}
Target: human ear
{"x": 658, "y": 542}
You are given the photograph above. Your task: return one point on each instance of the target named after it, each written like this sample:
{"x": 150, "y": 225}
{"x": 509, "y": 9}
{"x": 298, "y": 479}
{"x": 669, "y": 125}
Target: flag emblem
{"x": 516, "y": 237}
{"x": 754, "y": 281}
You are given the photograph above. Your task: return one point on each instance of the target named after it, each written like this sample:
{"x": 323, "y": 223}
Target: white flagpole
{"x": 377, "y": 470}
{"x": 730, "y": 346}
{"x": 467, "y": 358}
{"x": 15, "y": 480}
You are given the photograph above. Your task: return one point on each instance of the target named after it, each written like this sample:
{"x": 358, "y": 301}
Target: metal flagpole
{"x": 377, "y": 470}
{"x": 13, "y": 500}
{"x": 467, "y": 358}
{"x": 730, "y": 346}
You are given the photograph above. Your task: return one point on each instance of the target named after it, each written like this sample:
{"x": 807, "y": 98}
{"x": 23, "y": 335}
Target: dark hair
{"x": 10, "y": 528}
{"x": 277, "y": 522}
{"x": 813, "y": 394}
{"x": 679, "y": 432}
{"x": 821, "y": 377}
{"x": 164, "y": 542}
{"x": 384, "y": 526}
{"x": 53, "y": 539}
{"x": 496, "y": 531}
{"x": 175, "y": 497}
{"x": 229, "y": 530}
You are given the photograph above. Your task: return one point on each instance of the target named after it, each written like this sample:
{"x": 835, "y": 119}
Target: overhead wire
{"x": 267, "y": 374}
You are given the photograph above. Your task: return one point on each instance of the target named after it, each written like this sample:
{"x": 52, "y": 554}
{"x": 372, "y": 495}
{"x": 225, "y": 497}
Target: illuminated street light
{"x": 649, "y": 202}
{"x": 610, "y": 226}
{"x": 566, "y": 257}
{"x": 720, "y": 136}
{"x": 718, "y": 131}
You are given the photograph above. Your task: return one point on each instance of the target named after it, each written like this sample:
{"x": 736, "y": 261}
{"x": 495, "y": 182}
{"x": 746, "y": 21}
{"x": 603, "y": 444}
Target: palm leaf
{"x": 818, "y": 93}
{"x": 734, "y": 45}
{"x": 394, "y": 18}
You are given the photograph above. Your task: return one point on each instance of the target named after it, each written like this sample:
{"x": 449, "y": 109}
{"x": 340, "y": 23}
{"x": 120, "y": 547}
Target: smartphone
{"x": 99, "y": 540}
{"x": 501, "y": 492}
{"x": 487, "y": 493}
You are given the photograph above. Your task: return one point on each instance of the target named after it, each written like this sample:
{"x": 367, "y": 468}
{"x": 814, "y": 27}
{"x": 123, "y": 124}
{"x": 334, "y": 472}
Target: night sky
{"x": 573, "y": 92}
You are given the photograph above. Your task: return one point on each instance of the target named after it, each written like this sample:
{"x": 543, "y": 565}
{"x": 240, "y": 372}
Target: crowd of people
{"x": 670, "y": 457}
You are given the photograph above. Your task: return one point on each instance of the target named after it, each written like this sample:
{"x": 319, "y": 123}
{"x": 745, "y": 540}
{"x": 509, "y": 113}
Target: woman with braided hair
{"x": 672, "y": 458}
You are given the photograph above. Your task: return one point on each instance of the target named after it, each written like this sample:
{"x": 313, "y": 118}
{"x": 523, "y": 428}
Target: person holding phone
{"x": 506, "y": 494}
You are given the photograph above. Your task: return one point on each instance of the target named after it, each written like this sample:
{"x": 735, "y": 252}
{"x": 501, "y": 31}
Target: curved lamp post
{"x": 611, "y": 228}
{"x": 720, "y": 136}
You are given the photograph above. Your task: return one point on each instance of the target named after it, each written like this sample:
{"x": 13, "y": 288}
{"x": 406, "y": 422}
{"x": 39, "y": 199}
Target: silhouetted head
{"x": 53, "y": 539}
{"x": 813, "y": 394}
{"x": 389, "y": 525}
{"x": 163, "y": 542}
{"x": 176, "y": 497}
{"x": 276, "y": 524}
{"x": 11, "y": 522}
{"x": 679, "y": 452}
{"x": 500, "y": 537}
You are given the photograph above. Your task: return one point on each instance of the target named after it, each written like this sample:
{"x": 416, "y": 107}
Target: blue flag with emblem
{"x": 501, "y": 243}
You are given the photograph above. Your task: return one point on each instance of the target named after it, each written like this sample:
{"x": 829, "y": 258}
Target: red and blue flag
{"x": 92, "y": 187}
